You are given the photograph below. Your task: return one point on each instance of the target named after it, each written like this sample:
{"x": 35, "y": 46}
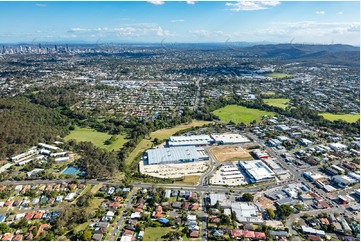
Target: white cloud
{"x": 251, "y": 5}
{"x": 190, "y": 2}
{"x": 202, "y": 33}
{"x": 127, "y": 31}
{"x": 41, "y": 5}
{"x": 177, "y": 20}
{"x": 320, "y": 12}
{"x": 311, "y": 31}
{"x": 156, "y": 2}
{"x": 339, "y": 13}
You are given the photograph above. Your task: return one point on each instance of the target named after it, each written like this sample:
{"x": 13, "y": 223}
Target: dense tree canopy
{"x": 97, "y": 162}
{"x": 23, "y": 124}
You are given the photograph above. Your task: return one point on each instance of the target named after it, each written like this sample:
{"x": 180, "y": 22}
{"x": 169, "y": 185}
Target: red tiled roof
{"x": 38, "y": 215}
{"x": 194, "y": 234}
{"x": 41, "y": 229}
{"x": 260, "y": 235}
{"x": 236, "y": 233}
{"x": 215, "y": 220}
{"x": 128, "y": 232}
{"x": 29, "y": 216}
{"x": 248, "y": 234}
{"x": 195, "y": 206}
{"x": 7, "y": 237}
{"x": 18, "y": 237}
{"x": 314, "y": 237}
{"x": 9, "y": 202}
{"x": 158, "y": 215}
{"x": 138, "y": 210}
{"x": 325, "y": 221}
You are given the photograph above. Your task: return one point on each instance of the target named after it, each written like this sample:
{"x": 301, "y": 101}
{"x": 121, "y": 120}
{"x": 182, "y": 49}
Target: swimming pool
{"x": 71, "y": 170}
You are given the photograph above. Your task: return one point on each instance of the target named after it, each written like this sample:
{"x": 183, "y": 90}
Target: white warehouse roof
{"x": 189, "y": 140}
{"x": 171, "y": 155}
{"x": 229, "y": 138}
{"x": 258, "y": 170}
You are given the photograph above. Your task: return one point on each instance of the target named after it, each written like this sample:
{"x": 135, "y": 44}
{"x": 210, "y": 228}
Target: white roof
{"x": 337, "y": 146}
{"x": 135, "y": 215}
{"x": 61, "y": 159}
{"x": 172, "y": 154}
{"x": 246, "y": 212}
{"x": 48, "y": 146}
{"x": 70, "y": 196}
{"x": 191, "y": 217}
{"x": 230, "y": 138}
{"x": 126, "y": 238}
{"x": 257, "y": 169}
{"x": 189, "y": 140}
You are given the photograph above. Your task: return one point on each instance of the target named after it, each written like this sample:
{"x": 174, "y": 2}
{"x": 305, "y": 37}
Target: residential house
{"x": 194, "y": 234}
{"x": 38, "y": 215}
{"x": 260, "y": 235}
{"x": 236, "y": 233}
{"x": 97, "y": 237}
{"x": 7, "y": 237}
{"x": 177, "y": 205}
{"x": 248, "y": 234}
{"x": 18, "y": 237}
{"x": 29, "y": 216}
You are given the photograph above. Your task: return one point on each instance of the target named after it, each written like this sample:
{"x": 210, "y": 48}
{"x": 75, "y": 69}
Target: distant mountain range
{"x": 326, "y": 54}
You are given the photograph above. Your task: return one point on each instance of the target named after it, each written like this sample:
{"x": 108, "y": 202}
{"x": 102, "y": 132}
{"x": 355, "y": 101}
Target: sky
{"x": 323, "y": 22}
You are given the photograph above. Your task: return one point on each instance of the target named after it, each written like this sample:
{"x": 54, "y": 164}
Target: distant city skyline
{"x": 334, "y": 22}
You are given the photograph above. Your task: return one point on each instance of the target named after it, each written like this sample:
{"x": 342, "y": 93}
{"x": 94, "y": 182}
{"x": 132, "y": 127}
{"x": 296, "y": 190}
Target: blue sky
{"x": 157, "y": 21}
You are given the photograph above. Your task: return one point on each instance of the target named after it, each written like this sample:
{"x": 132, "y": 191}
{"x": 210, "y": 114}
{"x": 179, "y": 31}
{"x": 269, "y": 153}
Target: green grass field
{"x": 161, "y": 134}
{"x": 97, "y": 138}
{"x": 239, "y": 114}
{"x": 279, "y": 75}
{"x": 155, "y": 234}
{"x": 350, "y": 118}
{"x": 277, "y": 102}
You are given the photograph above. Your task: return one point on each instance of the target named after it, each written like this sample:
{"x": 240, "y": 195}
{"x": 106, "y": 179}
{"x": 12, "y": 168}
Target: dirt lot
{"x": 231, "y": 153}
{"x": 265, "y": 202}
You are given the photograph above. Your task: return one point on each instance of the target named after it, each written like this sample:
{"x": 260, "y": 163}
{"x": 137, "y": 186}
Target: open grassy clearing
{"x": 161, "y": 134}
{"x": 155, "y": 234}
{"x": 190, "y": 180}
{"x": 350, "y": 118}
{"x": 277, "y": 102}
{"x": 238, "y": 114}
{"x": 97, "y": 138}
{"x": 279, "y": 75}
{"x": 96, "y": 188}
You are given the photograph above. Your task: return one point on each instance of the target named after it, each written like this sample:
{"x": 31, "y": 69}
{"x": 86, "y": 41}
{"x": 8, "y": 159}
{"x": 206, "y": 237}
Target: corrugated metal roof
{"x": 172, "y": 155}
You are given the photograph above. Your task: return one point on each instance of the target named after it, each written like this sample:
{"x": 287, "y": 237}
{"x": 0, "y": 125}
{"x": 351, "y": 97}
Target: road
{"x": 213, "y": 166}
{"x": 117, "y": 228}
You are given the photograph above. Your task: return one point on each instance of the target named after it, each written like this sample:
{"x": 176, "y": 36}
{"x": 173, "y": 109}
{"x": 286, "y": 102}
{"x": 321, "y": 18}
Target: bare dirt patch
{"x": 231, "y": 153}
{"x": 265, "y": 202}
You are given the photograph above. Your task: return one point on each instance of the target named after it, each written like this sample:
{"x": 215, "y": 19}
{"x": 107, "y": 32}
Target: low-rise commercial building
{"x": 257, "y": 171}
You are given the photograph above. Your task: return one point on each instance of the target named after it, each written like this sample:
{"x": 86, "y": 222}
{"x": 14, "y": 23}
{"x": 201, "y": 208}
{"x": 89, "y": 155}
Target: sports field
{"x": 230, "y": 153}
{"x": 161, "y": 134}
{"x": 350, "y": 118}
{"x": 97, "y": 138}
{"x": 279, "y": 75}
{"x": 277, "y": 102}
{"x": 239, "y": 114}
